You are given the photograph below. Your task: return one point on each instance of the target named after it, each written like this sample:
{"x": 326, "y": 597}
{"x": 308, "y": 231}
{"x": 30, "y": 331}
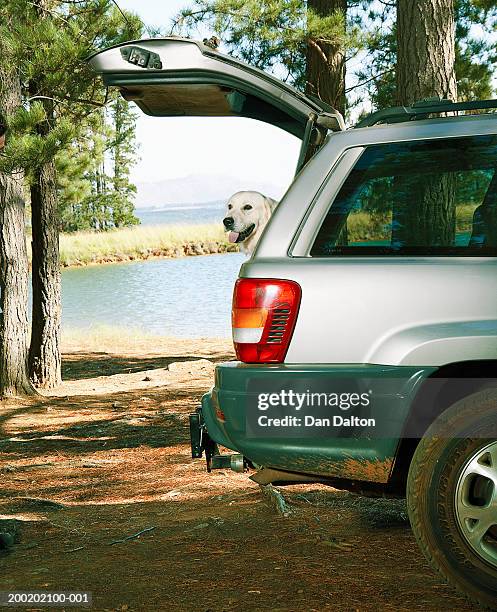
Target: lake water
{"x": 184, "y": 297}
{"x": 211, "y": 212}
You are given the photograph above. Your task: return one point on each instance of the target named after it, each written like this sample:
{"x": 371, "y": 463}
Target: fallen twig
{"x": 132, "y": 537}
{"x": 276, "y": 498}
{"x": 305, "y": 499}
{"x": 73, "y": 549}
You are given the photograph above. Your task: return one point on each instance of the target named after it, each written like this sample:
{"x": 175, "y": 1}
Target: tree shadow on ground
{"x": 110, "y": 421}
{"x": 82, "y": 365}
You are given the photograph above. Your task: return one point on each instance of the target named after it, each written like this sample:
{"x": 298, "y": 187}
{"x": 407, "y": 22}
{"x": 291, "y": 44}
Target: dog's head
{"x": 247, "y": 213}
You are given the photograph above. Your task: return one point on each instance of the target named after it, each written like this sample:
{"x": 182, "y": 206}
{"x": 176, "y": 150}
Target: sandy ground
{"x": 106, "y": 457}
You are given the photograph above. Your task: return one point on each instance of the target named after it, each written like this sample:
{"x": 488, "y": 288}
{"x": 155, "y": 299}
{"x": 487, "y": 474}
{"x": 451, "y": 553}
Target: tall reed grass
{"x": 139, "y": 242}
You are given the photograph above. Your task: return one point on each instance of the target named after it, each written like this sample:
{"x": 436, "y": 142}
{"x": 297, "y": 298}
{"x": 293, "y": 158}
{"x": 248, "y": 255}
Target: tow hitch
{"x": 233, "y": 462}
{"x": 201, "y": 443}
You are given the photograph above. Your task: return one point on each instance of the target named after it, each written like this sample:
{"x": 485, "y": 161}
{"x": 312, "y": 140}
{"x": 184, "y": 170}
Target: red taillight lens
{"x": 263, "y": 317}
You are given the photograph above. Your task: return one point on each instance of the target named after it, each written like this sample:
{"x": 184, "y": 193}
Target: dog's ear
{"x": 273, "y": 203}
{"x": 269, "y": 206}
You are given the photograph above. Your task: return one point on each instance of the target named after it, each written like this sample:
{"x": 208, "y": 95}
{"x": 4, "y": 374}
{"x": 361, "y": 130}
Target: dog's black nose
{"x": 228, "y": 222}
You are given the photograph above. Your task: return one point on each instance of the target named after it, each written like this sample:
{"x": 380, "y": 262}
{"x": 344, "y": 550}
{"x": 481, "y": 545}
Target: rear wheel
{"x": 452, "y": 496}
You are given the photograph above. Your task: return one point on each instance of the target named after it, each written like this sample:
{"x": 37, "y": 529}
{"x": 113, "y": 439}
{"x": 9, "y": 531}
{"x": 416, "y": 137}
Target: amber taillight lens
{"x": 263, "y": 318}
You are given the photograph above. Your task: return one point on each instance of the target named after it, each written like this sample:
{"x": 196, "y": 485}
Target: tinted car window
{"x": 431, "y": 197}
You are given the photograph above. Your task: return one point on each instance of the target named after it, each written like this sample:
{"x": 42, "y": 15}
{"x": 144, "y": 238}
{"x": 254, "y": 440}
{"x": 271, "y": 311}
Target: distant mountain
{"x": 197, "y": 189}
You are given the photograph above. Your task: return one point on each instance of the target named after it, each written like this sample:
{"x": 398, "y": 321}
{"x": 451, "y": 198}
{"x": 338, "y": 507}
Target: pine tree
{"x": 96, "y": 204}
{"x": 14, "y": 322}
{"x": 45, "y": 359}
{"x": 123, "y": 150}
{"x": 325, "y": 59}
{"x": 74, "y": 186}
{"x": 425, "y": 68}
{"x": 425, "y": 50}
{"x": 475, "y": 57}
{"x": 101, "y": 198}
{"x": 14, "y": 325}
{"x": 474, "y": 53}
{"x": 53, "y": 39}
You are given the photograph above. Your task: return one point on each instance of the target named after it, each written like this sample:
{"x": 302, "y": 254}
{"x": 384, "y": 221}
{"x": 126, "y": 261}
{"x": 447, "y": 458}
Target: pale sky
{"x": 176, "y": 147}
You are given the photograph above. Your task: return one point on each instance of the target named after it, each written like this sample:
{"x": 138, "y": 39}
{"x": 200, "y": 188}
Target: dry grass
{"x": 126, "y": 340}
{"x": 87, "y": 247}
{"x": 105, "y": 337}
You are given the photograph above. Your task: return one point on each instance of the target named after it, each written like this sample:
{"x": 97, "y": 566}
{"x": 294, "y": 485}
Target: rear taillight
{"x": 263, "y": 317}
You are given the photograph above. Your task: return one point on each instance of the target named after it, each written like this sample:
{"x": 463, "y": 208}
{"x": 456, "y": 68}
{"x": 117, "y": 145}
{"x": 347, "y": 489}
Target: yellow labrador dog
{"x": 246, "y": 216}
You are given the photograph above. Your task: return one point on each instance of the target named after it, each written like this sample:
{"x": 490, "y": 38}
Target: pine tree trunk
{"x": 425, "y": 68}
{"x": 44, "y": 352}
{"x": 14, "y": 273}
{"x": 425, "y": 50}
{"x": 325, "y": 63}
{"x": 44, "y": 355}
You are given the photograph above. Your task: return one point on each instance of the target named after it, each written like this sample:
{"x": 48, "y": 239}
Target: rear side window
{"x": 431, "y": 197}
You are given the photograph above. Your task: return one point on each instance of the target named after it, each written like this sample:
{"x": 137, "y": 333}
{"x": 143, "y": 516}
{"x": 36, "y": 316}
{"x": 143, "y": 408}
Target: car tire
{"x": 452, "y": 496}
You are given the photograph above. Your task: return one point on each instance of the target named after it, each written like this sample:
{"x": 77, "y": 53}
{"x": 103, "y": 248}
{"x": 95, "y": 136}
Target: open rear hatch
{"x": 181, "y": 77}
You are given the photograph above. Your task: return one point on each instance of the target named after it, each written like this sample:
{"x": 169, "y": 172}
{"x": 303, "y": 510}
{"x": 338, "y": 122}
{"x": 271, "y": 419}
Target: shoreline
{"x": 141, "y": 243}
{"x": 189, "y": 249}
{"x": 125, "y": 340}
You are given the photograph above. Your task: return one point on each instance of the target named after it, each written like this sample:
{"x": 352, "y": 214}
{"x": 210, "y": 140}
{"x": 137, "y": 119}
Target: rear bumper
{"x": 224, "y": 412}
{"x": 212, "y": 416}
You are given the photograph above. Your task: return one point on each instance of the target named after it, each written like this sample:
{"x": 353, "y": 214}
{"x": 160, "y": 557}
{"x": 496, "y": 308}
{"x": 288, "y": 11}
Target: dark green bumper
{"x": 224, "y": 411}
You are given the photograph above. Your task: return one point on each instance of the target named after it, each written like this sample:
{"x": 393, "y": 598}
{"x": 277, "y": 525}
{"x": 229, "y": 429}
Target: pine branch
{"x": 315, "y": 46}
{"x": 373, "y": 78}
{"x": 74, "y": 100}
{"x": 122, "y": 13}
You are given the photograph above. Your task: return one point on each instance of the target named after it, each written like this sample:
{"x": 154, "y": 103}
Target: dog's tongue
{"x": 233, "y": 236}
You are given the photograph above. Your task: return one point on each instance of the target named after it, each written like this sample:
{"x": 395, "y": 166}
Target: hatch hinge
{"x": 316, "y": 128}
{"x": 331, "y": 121}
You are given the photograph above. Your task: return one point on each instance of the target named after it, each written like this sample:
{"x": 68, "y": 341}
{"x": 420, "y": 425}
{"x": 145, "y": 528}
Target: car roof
{"x": 438, "y": 127}
{"x": 422, "y": 109}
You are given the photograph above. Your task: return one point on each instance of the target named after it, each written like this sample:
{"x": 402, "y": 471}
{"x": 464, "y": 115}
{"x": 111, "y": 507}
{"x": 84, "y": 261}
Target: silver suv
{"x": 365, "y": 322}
